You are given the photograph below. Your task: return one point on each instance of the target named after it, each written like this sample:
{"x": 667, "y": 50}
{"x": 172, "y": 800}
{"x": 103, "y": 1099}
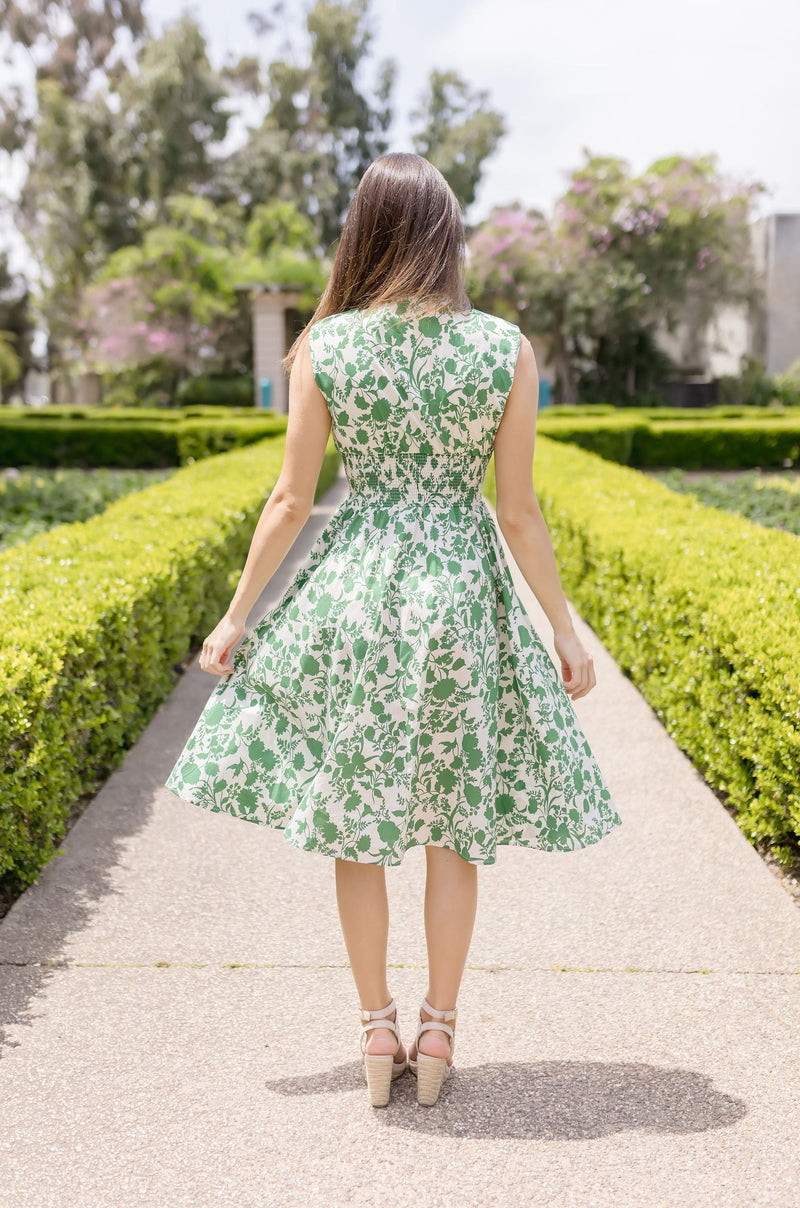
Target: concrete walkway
{"x": 180, "y": 1027}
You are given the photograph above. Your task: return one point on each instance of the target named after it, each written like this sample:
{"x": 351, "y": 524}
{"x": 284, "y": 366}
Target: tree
{"x": 323, "y": 126}
{"x": 10, "y": 363}
{"x": 172, "y": 114}
{"x": 70, "y": 47}
{"x": 459, "y": 132}
{"x": 16, "y": 325}
{"x": 126, "y": 138}
{"x": 281, "y": 247}
{"x": 112, "y": 134}
{"x": 165, "y": 299}
{"x": 619, "y": 256}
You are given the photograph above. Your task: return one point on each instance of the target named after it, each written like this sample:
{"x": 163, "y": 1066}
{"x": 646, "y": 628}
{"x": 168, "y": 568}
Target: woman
{"x": 398, "y": 694}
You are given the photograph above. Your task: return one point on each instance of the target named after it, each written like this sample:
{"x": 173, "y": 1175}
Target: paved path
{"x": 179, "y": 1025}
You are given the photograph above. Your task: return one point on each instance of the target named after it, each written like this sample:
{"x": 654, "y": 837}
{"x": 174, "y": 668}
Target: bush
{"x": 38, "y": 500}
{"x": 691, "y": 444}
{"x": 95, "y": 616}
{"x": 215, "y": 391}
{"x": 151, "y": 382}
{"x": 701, "y": 610}
{"x": 133, "y": 443}
{"x": 764, "y": 499}
{"x": 130, "y": 415}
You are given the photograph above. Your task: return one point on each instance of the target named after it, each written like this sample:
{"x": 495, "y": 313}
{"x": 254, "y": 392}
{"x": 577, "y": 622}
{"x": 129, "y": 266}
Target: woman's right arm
{"x": 523, "y": 525}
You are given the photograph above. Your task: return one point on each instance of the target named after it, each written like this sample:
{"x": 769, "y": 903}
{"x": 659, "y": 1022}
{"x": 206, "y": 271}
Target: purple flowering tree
{"x": 161, "y": 306}
{"x": 619, "y": 256}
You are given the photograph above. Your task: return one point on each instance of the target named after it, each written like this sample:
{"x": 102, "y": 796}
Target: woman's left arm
{"x": 285, "y": 512}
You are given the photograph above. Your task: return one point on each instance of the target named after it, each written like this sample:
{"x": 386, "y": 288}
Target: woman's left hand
{"x": 217, "y": 646}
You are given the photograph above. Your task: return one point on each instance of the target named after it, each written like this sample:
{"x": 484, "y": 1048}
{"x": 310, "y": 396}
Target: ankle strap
{"x": 382, "y": 1014}
{"x": 441, "y": 1015}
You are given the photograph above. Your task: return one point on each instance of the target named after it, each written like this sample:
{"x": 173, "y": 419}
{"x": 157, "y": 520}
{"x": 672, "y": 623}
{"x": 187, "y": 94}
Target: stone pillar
{"x": 269, "y": 343}
{"x": 89, "y": 390}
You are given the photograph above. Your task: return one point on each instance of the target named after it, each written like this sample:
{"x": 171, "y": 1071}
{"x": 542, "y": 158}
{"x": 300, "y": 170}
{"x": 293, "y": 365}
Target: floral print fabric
{"x": 398, "y": 694}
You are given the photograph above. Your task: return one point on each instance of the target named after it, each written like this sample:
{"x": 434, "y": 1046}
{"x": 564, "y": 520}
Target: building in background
{"x": 775, "y": 334}
{"x": 769, "y": 330}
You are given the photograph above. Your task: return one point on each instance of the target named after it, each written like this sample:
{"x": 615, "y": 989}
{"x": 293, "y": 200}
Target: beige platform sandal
{"x": 380, "y": 1068}
{"x": 431, "y": 1072}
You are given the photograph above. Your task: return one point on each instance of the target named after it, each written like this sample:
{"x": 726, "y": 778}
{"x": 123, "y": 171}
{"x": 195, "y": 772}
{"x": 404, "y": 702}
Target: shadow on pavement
{"x": 545, "y": 1100}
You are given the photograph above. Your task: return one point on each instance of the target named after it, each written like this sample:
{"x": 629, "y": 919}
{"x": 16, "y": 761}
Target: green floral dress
{"x": 398, "y": 694}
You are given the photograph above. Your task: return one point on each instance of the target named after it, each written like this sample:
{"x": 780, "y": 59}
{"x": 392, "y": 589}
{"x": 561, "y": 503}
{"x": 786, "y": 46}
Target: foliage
{"x": 34, "y": 501}
{"x": 91, "y": 441}
{"x": 112, "y": 605}
{"x": 209, "y": 391}
{"x": 119, "y": 144}
{"x": 123, "y": 415}
{"x": 787, "y": 385}
{"x": 620, "y": 256}
{"x": 701, "y": 610}
{"x": 107, "y": 139}
{"x": 16, "y": 329}
{"x": 753, "y": 495}
{"x": 322, "y": 127}
{"x": 280, "y": 248}
{"x": 10, "y": 363}
{"x": 458, "y": 131}
{"x": 694, "y": 444}
{"x": 161, "y": 298}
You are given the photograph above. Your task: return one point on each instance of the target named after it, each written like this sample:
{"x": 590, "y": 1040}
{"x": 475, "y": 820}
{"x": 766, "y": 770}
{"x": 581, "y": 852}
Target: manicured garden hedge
{"x": 218, "y": 392}
{"x": 93, "y": 619}
{"x": 719, "y": 411}
{"x": 131, "y": 415}
{"x": 692, "y": 444}
{"x": 701, "y": 609}
{"x": 133, "y": 443}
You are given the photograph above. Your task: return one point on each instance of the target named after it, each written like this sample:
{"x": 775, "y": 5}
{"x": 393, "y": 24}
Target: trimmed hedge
{"x": 95, "y": 616}
{"x": 719, "y": 411}
{"x": 234, "y": 391}
{"x": 135, "y": 444}
{"x": 690, "y": 444}
{"x": 130, "y": 415}
{"x": 701, "y": 609}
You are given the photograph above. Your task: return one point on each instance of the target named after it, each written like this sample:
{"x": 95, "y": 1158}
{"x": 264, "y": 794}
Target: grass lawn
{"x": 771, "y": 499}
{"x": 35, "y": 500}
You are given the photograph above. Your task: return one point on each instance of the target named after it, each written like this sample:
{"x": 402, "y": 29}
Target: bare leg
{"x": 364, "y": 914}
{"x": 451, "y": 901}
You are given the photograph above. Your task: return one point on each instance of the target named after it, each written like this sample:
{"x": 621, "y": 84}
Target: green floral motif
{"x": 397, "y": 694}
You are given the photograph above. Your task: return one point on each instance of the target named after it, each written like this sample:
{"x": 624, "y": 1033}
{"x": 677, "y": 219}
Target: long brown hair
{"x": 402, "y": 239}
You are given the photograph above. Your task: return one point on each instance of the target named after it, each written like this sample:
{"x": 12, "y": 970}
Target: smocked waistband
{"x": 412, "y": 476}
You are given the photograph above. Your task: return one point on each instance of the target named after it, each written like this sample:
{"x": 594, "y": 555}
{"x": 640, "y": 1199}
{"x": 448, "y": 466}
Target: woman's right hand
{"x": 577, "y": 665}
{"x": 217, "y": 647}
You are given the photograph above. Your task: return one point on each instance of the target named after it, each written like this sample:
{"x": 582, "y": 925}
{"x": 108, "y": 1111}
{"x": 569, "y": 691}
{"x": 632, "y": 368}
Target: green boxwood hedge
{"x": 129, "y": 415}
{"x": 691, "y": 444}
{"x": 234, "y": 391}
{"x": 719, "y": 411}
{"x": 132, "y": 443}
{"x": 701, "y": 609}
{"x": 95, "y": 616}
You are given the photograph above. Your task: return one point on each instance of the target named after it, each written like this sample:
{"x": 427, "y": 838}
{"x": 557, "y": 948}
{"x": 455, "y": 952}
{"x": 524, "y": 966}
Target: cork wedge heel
{"x": 380, "y": 1069}
{"x": 431, "y": 1072}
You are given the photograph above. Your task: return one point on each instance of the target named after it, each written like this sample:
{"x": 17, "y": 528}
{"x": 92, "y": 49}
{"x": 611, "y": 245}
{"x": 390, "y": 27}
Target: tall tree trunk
{"x": 563, "y": 367}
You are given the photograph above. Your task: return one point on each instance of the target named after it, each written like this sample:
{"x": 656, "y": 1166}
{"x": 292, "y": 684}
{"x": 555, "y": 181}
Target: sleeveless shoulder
{"x": 327, "y": 340}
{"x": 502, "y": 339}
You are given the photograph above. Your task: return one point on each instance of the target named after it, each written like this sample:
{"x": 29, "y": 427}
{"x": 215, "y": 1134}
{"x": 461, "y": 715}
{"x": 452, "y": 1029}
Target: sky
{"x": 625, "y": 78}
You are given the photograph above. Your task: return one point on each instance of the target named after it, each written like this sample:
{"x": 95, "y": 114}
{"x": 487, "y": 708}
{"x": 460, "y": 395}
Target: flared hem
{"x": 610, "y": 824}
